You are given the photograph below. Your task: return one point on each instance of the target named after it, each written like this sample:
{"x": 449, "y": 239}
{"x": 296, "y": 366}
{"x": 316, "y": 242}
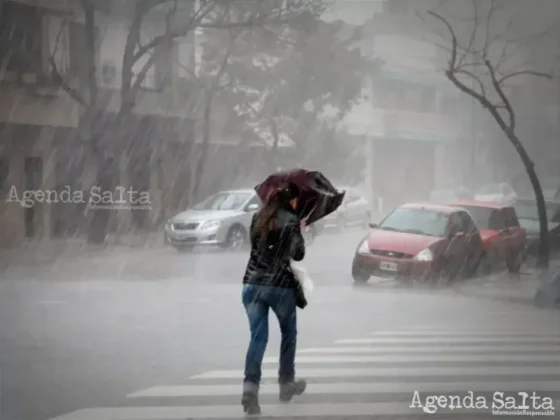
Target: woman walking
{"x": 270, "y": 284}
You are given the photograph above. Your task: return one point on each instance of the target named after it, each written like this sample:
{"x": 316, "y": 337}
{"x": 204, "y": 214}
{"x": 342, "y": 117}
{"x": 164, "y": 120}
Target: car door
{"x": 473, "y": 239}
{"x": 514, "y": 236}
{"x": 498, "y": 243}
{"x": 456, "y": 239}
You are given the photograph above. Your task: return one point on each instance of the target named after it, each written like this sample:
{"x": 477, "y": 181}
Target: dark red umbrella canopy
{"x": 319, "y": 197}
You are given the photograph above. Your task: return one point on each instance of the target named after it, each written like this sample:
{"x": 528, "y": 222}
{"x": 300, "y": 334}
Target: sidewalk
{"x": 515, "y": 288}
{"x": 44, "y": 252}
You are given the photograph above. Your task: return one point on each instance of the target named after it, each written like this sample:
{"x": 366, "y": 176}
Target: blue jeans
{"x": 257, "y": 300}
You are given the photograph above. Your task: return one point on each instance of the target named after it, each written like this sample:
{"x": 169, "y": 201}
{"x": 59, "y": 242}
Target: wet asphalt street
{"x": 91, "y": 332}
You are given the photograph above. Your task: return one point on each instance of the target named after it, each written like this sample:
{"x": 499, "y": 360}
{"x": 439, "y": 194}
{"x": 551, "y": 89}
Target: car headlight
{"x": 424, "y": 255}
{"x": 364, "y": 247}
{"x": 211, "y": 224}
{"x": 169, "y": 226}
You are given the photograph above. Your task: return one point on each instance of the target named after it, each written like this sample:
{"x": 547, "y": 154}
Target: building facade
{"x": 44, "y": 137}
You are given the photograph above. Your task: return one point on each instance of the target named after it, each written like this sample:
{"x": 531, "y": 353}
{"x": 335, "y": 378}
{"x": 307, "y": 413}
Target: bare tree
{"x": 139, "y": 57}
{"x": 484, "y": 76}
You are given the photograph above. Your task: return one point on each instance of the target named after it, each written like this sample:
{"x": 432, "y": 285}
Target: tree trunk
{"x": 97, "y": 229}
{"x": 544, "y": 249}
{"x": 201, "y": 162}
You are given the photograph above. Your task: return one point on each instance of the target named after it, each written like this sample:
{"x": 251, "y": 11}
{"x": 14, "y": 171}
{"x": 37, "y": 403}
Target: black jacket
{"x": 269, "y": 263}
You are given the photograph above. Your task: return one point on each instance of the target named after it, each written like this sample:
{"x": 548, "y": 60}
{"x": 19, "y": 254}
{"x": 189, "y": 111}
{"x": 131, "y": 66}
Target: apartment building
{"x": 408, "y": 133}
{"x": 423, "y": 132}
{"x": 42, "y": 143}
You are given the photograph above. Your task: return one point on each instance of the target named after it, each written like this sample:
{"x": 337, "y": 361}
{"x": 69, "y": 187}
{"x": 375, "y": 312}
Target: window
{"x": 255, "y": 200}
{"x": 467, "y": 223}
{"x": 496, "y": 221}
{"x": 20, "y": 38}
{"x": 455, "y": 224}
{"x": 224, "y": 201}
{"x": 510, "y": 218}
{"x": 416, "y": 221}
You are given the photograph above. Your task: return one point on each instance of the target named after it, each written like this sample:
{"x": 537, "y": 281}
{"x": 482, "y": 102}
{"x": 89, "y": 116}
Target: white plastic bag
{"x": 302, "y": 276}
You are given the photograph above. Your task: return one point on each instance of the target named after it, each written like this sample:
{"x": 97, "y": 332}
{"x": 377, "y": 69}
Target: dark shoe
{"x": 250, "y": 402}
{"x": 288, "y": 390}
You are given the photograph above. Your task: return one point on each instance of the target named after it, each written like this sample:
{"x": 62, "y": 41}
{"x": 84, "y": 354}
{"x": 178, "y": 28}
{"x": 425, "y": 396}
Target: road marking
{"x": 235, "y": 412}
{"x": 349, "y": 388}
{"x": 384, "y": 347}
{"x": 552, "y": 348}
{"x": 401, "y": 372}
{"x": 424, "y": 358}
{"x": 408, "y": 340}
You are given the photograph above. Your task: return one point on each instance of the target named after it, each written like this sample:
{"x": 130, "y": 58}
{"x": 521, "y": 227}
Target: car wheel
{"x": 487, "y": 264}
{"x": 236, "y": 238}
{"x": 514, "y": 261}
{"x": 471, "y": 265}
{"x": 359, "y": 275}
{"x": 184, "y": 248}
{"x": 447, "y": 274}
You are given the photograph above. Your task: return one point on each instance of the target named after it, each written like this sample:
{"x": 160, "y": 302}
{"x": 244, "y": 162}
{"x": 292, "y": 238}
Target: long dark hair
{"x": 279, "y": 198}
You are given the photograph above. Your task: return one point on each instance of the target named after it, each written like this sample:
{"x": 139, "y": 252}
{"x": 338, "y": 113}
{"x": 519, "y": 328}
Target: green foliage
{"x": 299, "y": 70}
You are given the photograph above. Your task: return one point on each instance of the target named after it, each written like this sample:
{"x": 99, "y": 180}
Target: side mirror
{"x": 373, "y": 225}
{"x": 252, "y": 207}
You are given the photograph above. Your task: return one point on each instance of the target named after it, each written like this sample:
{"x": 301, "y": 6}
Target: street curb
{"x": 524, "y": 300}
{"x": 31, "y": 257}
{"x": 519, "y": 299}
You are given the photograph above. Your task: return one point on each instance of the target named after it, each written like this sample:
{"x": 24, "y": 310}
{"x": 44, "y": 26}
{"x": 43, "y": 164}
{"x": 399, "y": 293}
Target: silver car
{"x": 223, "y": 219}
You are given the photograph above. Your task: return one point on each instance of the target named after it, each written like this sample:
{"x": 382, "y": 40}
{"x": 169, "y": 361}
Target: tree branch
{"x": 182, "y": 31}
{"x": 59, "y": 80}
{"x": 525, "y": 73}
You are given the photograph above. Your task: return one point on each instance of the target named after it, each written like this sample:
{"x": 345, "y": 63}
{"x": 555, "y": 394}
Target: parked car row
{"x": 440, "y": 243}
{"x": 499, "y": 192}
{"x": 224, "y": 220}
{"x": 526, "y": 209}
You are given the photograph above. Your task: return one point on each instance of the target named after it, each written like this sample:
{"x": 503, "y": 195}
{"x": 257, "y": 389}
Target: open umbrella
{"x": 319, "y": 197}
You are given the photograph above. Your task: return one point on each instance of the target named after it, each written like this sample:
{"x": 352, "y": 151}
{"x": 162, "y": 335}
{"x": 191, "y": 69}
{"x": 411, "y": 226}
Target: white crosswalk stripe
{"x": 369, "y": 377}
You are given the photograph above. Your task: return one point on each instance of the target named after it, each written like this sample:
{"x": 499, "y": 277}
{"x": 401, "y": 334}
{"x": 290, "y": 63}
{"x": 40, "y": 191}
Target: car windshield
{"x": 417, "y": 221}
{"x": 484, "y": 217}
{"x": 528, "y": 210}
{"x": 223, "y": 201}
{"x": 490, "y": 189}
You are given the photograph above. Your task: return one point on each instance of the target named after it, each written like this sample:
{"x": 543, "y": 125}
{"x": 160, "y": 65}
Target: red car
{"x": 502, "y": 236}
{"x": 420, "y": 241}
